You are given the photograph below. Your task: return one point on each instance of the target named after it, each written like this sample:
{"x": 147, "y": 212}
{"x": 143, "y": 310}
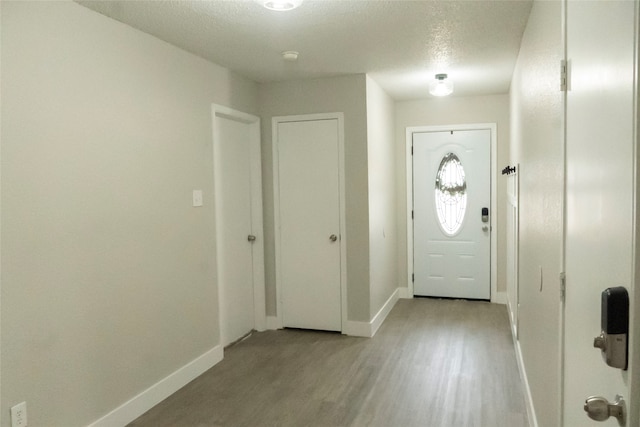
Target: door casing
{"x": 257, "y": 248}
{"x": 276, "y": 204}
{"x": 495, "y": 296}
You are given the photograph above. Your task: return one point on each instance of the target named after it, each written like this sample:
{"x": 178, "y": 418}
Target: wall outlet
{"x": 19, "y": 415}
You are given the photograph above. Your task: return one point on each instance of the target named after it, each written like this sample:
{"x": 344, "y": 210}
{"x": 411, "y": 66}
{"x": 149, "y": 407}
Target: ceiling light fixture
{"x": 290, "y": 55}
{"x": 280, "y": 5}
{"x": 441, "y": 86}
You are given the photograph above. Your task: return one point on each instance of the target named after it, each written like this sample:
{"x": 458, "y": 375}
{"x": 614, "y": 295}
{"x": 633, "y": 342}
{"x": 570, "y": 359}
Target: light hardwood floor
{"x": 433, "y": 363}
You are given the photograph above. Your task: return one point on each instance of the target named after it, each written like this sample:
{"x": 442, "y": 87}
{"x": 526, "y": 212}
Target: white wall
{"x": 537, "y": 144}
{"x": 107, "y": 271}
{"x": 447, "y": 111}
{"x": 339, "y": 94}
{"x": 382, "y": 196}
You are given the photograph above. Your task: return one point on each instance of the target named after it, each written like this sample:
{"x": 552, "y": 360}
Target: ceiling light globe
{"x": 441, "y": 86}
{"x": 280, "y": 5}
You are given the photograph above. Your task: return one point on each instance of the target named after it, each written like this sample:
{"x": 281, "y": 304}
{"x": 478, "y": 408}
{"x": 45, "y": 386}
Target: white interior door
{"x": 238, "y": 256}
{"x": 452, "y": 186}
{"x": 600, "y": 189}
{"x": 308, "y": 212}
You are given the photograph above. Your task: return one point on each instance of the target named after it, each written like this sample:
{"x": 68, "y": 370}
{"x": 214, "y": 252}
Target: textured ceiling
{"x": 401, "y": 44}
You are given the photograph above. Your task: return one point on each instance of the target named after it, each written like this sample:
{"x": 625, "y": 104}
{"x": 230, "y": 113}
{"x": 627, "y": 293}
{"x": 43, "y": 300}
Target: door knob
{"x": 599, "y": 409}
{"x": 251, "y": 238}
{"x": 333, "y": 237}
{"x": 485, "y": 228}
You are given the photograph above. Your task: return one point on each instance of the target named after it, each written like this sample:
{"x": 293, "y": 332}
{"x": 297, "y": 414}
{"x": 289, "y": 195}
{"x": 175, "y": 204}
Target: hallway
{"x": 436, "y": 363}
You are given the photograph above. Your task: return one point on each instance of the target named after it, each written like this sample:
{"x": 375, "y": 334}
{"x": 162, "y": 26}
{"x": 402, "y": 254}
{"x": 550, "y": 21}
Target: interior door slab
{"x": 309, "y": 221}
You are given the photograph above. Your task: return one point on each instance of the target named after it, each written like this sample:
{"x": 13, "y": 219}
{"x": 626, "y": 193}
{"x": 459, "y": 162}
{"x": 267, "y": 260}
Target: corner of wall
{"x": 369, "y": 329}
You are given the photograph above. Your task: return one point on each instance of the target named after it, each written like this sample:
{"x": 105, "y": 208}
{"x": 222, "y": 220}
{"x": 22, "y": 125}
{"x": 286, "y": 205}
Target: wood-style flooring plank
{"x": 433, "y": 363}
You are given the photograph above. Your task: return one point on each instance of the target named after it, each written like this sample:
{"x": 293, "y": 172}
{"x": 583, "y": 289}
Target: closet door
{"x": 308, "y": 212}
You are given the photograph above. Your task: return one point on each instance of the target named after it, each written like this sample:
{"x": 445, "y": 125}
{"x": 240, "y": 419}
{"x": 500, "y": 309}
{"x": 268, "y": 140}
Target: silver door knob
{"x": 599, "y": 409}
{"x": 333, "y": 237}
{"x": 251, "y": 238}
{"x": 485, "y": 228}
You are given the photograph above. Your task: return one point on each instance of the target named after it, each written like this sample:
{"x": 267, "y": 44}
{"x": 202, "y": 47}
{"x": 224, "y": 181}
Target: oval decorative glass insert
{"x": 451, "y": 194}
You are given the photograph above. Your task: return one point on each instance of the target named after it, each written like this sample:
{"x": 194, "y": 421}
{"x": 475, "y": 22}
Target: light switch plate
{"x": 197, "y": 198}
{"x": 19, "y": 415}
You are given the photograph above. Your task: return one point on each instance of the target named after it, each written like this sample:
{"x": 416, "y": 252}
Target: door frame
{"x": 513, "y": 238}
{"x": 342, "y": 214}
{"x": 257, "y": 229}
{"x": 634, "y": 303}
{"x": 492, "y": 127}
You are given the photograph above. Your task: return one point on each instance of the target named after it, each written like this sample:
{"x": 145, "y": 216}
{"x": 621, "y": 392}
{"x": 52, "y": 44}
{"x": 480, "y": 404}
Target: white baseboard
{"x": 403, "y": 292}
{"x": 354, "y": 328}
{"x": 528, "y": 399}
{"x": 499, "y": 298}
{"x": 164, "y": 388}
{"x": 382, "y": 314}
{"x": 273, "y": 323}
{"x": 357, "y": 329}
{"x": 369, "y": 329}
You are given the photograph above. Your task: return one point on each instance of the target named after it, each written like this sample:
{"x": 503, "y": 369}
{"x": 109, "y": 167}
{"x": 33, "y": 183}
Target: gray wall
{"x": 447, "y": 111}
{"x": 107, "y": 271}
{"x": 339, "y": 94}
{"x": 383, "y": 244}
{"x": 537, "y": 144}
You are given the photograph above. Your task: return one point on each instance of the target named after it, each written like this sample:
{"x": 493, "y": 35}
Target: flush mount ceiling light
{"x": 290, "y": 56}
{"x": 441, "y": 86}
{"x": 280, "y": 5}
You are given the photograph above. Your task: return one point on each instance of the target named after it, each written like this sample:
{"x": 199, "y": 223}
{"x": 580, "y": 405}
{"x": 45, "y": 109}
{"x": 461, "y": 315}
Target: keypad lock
{"x": 614, "y": 322}
{"x": 485, "y": 214}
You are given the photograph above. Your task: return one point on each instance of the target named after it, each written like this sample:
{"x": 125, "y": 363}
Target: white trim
{"x": 384, "y": 311}
{"x": 528, "y": 399}
{"x": 634, "y": 330}
{"x": 403, "y": 292}
{"x": 132, "y": 409}
{"x": 255, "y": 168}
{"x": 273, "y": 323}
{"x": 494, "y": 194}
{"x": 499, "y": 298}
{"x": 276, "y": 204}
{"x": 369, "y": 329}
{"x": 513, "y": 282}
{"x": 357, "y": 329}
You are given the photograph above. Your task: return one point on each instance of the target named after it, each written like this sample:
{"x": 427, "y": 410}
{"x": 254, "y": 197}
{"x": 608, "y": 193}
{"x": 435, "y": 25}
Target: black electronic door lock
{"x": 485, "y": 214}
{"x": 614, "y": 322}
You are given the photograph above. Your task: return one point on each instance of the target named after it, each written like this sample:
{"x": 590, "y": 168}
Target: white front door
{"x": 308, "y": 213}
{"x": 238, "y": 255}
{"x": 600, "y": 193}
{"x": 452, "y": 201}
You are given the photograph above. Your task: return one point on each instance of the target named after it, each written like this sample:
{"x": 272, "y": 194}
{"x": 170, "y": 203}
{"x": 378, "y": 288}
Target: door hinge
{"x": 412, "y": 150}
{"x": 411, "y": 214}
{"x": 564, "y": 75}
{"x": 413, "y": 277}
{"x": 563, "y": 286}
